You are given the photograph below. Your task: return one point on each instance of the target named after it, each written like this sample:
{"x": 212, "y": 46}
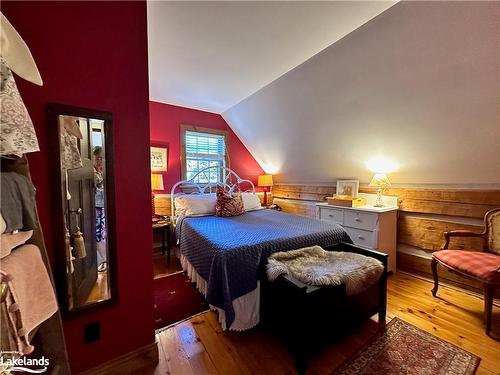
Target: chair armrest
{"x": 460, "y": 233}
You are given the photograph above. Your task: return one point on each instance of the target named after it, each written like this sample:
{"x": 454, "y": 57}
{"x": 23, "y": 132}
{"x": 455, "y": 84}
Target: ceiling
{"x": 211, "y": 55}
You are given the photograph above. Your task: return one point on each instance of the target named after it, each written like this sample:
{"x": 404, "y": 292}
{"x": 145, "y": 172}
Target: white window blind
{"x": 204, "y": 150}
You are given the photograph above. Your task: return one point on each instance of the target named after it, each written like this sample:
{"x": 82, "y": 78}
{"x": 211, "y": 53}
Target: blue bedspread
{"x": 227, "y": 251}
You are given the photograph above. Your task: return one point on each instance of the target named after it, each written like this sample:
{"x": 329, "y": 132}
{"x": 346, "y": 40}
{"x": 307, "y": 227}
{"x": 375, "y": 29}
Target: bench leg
{"x": 382, "y": 315}
{"x": 301, "y": 364}
{"x": 488, "y": 306}
{"x": 434, "y": 264}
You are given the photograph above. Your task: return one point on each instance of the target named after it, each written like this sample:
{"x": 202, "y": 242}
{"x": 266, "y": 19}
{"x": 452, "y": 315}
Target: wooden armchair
{"x": 483, "y": 266}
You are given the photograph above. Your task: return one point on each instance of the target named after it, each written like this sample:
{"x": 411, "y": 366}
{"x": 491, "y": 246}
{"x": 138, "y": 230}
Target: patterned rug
{"x": 176, "y": 299}
{"x": 401, "y": 348}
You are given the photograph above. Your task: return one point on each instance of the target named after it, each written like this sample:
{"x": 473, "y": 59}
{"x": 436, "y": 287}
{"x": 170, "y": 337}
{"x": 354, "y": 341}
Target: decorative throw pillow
{"x": 228, "y": 204}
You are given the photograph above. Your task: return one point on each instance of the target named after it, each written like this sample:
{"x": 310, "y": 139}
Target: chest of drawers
{"x": 371, "y": 227}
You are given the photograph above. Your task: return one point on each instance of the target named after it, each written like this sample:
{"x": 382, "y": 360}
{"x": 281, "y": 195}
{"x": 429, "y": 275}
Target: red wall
{"x": 165, "y": 121}
{"x": 94, "y": 55}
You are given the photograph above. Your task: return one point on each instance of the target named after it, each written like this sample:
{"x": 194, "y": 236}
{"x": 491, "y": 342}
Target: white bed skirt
{"x": 246, "y": 308}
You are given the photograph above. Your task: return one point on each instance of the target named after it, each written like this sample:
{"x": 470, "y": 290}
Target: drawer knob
{"x": 330, "y": 215}
{"x": 357, "y": 219}
{"x": 361, "y": 237}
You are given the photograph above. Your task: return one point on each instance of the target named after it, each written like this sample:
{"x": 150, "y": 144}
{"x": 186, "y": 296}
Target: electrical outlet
{"x": 91, "y": 332}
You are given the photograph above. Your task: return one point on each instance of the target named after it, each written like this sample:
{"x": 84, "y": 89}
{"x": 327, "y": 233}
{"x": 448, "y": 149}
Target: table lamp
{"x": 379, "y": 181}
{"x": 265, "y": 181}
{"x": 156, "y": 184}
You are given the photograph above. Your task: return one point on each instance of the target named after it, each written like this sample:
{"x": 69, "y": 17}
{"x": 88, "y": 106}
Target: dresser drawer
{"x": 363, "y": 237}
{"x": 333, "y": 215}
{"x": 361, "y": 220}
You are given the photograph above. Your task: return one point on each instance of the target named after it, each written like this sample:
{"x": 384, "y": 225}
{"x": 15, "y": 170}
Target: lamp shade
{"x": 156, "y": 182}
{"x": 265, "y": 180}
{"x": 380, "y": 180}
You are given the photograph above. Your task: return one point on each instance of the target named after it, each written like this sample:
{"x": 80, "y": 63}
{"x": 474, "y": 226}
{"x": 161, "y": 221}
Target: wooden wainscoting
{"x": 162, "y": 204}
{"x": 424, "y": 214}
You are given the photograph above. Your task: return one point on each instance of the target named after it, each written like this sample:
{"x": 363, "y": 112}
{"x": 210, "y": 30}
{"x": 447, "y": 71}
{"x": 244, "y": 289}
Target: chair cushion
{"x": 481, "y": 265}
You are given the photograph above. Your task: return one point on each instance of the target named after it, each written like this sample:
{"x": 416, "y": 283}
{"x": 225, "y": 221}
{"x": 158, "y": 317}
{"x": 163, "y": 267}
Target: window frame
{"x": 198, "y": 129}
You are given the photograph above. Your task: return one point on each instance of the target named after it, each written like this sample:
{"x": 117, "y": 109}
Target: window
{"x": 202, "y": 148}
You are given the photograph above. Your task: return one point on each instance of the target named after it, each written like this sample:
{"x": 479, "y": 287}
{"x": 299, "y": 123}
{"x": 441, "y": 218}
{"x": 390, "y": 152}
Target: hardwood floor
{"x": 163, "y": 268}
{"x": 199, "y": 346}
{"x": 100, "y": 291}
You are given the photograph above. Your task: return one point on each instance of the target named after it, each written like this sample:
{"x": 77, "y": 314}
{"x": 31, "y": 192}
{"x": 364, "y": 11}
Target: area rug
{"x": 401, "y": 348}
{"x": 176, "y": 299}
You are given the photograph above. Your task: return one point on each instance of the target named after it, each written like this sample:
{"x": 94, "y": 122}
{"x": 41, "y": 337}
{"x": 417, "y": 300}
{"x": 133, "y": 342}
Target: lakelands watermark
{"x": 11, "y": 363}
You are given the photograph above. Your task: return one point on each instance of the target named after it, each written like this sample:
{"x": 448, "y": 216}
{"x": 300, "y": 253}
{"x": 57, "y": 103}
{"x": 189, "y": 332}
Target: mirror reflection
{"x": 83, "y": 156}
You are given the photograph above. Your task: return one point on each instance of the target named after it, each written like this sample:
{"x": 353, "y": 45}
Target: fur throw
{"x": 316, "y": 266}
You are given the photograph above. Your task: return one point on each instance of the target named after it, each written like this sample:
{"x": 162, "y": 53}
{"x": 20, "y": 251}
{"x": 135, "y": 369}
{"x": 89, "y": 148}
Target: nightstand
{"x": 163, "y": 226}
{"x": 372, "y": 227}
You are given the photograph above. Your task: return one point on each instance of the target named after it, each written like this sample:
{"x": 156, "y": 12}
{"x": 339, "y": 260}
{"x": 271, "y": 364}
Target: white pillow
{"x": 195, "y": 204}
{"x": 251, "y": 201}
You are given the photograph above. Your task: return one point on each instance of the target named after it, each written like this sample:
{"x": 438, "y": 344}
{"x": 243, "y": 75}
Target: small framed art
{"x": 348, "y": 187}
{"x": 159, "y": 159}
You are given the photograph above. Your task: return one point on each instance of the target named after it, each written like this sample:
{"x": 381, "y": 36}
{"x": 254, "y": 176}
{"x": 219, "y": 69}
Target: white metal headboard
{"x": 230, "y": 180}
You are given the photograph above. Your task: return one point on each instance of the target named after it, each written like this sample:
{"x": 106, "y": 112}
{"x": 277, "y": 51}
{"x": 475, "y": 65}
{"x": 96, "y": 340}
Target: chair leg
{"x": 488, "y": 306}
{"x": 434, "y": 264}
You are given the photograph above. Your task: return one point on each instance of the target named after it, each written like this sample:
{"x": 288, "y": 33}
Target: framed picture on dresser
{"x": 159, "y": 158}
{"x": 348, "y": 187}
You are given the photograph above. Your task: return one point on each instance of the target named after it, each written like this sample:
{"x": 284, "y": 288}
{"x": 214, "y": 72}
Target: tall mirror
{"x": 85, "y": 234}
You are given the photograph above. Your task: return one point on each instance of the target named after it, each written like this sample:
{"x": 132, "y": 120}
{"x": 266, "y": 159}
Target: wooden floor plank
{"x": 267, "y": 353}
{"x": 224, "y": 359}
{"x": 196, "y": 352}
{"x": 162, "y": 367}
{"x": 175, "y": 357}
{"x": 455, "y": 316}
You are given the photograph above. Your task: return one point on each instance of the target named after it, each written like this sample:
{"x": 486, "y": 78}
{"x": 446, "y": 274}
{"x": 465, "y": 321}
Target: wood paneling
{"x": 296, "y": 207}
{"x": 303, "y": 192}
{"x": 427, "y": 234}
{"x": 487, "y": 197}
{"x": 444, "y": 208}
{"x": 199, "y": 346}
{"x": 162, "y": 204}
{"x": 467, "y": 203}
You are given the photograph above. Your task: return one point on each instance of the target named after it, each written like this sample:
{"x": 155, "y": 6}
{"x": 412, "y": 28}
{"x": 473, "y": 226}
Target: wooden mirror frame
{"x": 57, "y": 189}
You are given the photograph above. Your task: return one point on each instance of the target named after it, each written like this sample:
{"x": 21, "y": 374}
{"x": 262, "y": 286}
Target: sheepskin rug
{"x": 316, "y": 266}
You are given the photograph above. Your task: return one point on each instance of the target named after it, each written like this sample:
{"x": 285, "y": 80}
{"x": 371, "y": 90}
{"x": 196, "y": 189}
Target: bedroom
{"x": 308, "y": 93}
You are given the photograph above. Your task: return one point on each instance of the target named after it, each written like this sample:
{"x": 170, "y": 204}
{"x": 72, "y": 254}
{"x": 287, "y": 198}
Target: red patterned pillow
{"x": 228, "y": 204}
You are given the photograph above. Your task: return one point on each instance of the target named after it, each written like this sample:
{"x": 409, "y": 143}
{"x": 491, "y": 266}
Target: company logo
{"x": 11, "y": 363}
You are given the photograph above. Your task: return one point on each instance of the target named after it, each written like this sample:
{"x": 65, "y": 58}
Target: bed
{"x": 224, "y": 256}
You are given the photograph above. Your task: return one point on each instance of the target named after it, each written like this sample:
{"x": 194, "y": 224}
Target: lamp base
{"x": 378, "y": 201}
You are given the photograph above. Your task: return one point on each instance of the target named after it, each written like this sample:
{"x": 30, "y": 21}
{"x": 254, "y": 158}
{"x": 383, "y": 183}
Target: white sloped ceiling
{"x": 419, "y": 84}
{"x": 210, "y": 55}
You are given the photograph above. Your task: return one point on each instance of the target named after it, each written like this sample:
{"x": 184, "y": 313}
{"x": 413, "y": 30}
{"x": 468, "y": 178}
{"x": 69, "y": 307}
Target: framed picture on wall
{"x": 159, "y": 159}
{"x": 348, "y": 187}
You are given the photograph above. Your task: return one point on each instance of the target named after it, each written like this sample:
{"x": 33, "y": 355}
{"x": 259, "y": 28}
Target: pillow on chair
{"x": 228, "y": 204}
